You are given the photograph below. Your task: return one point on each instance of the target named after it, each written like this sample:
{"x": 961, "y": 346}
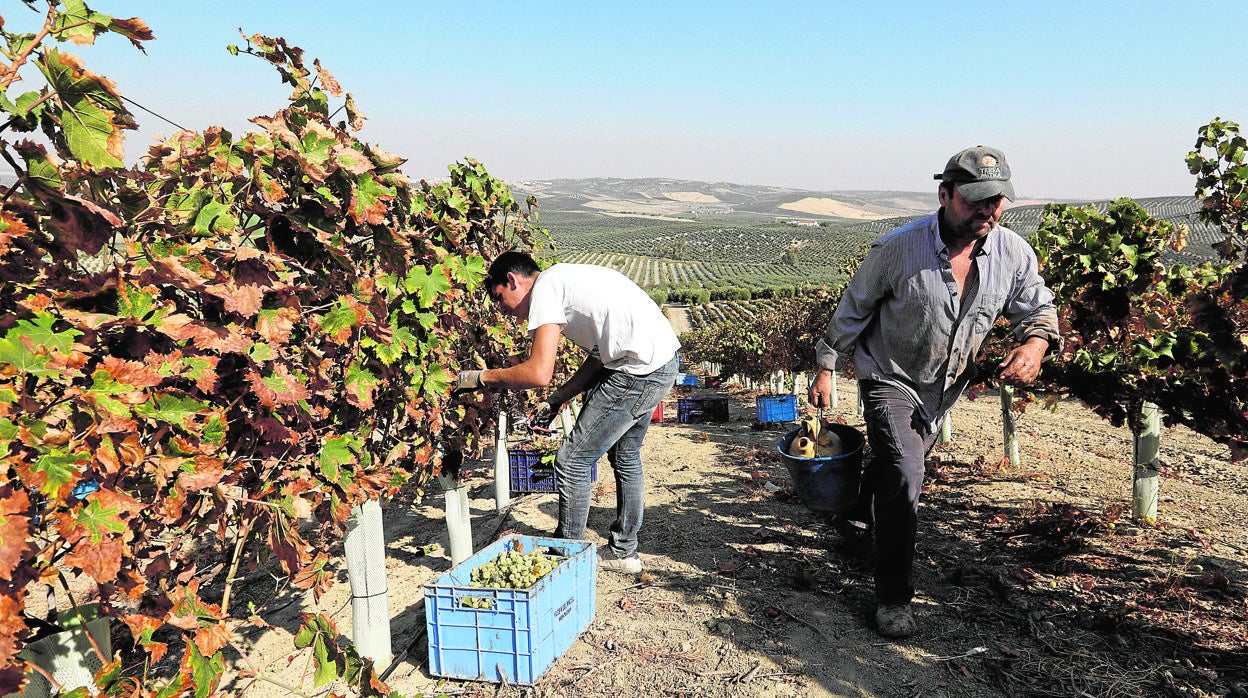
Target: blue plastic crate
{"x": 701, "y": 409}
{"x": 525, "y": 630}
{"x": 527, "y": 473}
{"x": 776, "y": 408}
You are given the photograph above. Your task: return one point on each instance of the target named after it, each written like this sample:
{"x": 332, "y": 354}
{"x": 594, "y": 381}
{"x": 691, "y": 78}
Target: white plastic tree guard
{"x": 458, "y": 518}
{"x": 502, "y": 465}
{"x": 946, "y": 430}
{"x": 1144, "y": 485}
{"x": 365, "y": 547}
{"x": 68, "y": 656}
{"x": 566, "y": 421}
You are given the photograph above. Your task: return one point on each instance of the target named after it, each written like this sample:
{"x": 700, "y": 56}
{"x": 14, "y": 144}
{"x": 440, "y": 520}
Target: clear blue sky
{"x": 1088, "y": 100}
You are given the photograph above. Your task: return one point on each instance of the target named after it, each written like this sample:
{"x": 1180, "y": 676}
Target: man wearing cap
{"x": 912, "y": 320}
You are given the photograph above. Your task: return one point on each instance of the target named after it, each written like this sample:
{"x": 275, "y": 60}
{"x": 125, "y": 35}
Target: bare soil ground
{"x": 1032, "y": 580}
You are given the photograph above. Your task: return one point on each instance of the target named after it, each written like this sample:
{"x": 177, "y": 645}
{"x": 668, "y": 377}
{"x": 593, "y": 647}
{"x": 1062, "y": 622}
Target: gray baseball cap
{"x": 979, "y": 173}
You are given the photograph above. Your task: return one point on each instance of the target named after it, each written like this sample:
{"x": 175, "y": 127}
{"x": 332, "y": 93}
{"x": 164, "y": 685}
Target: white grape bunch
{"x": 512, "y": 569}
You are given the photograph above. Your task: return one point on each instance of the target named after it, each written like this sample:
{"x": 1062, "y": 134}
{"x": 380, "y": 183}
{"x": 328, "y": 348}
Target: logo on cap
{"x": 989, "y": 169}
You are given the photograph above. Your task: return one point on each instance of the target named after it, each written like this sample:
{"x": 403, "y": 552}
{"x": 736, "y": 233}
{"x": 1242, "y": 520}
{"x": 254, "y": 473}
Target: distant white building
{"x": 803, "y": 222}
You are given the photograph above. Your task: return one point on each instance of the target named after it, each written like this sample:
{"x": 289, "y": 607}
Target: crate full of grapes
{"x": 509, "y": 611}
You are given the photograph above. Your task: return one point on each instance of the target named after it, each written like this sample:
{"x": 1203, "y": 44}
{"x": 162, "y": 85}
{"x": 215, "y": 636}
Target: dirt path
{"x": 1029, "y": 583}
{"x": 678, "y": 315}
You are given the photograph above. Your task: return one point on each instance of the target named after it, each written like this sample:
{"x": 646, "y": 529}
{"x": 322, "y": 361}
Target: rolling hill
{"x": 676, "y": 198}
{"x": 677, "y": 233}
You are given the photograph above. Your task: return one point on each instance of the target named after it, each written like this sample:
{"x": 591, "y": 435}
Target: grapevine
{"x": 243, "y": 332}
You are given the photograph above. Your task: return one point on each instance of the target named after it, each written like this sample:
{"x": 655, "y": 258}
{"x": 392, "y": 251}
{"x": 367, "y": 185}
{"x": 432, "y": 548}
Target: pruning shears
{"x": 529, "y": 425}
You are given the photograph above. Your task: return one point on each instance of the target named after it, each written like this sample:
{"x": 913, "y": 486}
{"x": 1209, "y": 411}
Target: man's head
{"x": 509, "y": 281}
{"x": 978, "y": 173}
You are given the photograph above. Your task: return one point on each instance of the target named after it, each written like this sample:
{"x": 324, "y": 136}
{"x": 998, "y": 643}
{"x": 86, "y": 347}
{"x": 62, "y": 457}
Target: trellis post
{"x": 1007, "y": 424}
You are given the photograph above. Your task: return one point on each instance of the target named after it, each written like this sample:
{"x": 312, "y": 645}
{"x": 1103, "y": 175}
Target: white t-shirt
{"x": 602, "y": 309}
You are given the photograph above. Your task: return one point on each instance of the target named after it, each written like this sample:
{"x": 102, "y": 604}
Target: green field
{"x": 707, "y": 253}
{"x": 754, "y": 252}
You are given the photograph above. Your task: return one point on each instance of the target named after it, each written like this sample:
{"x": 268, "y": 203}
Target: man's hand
{"x": 1022, "y": 365}
{"x": 468, "y": 380}
{"x": 542, "y": 415}
{"x": 821, "y": 389}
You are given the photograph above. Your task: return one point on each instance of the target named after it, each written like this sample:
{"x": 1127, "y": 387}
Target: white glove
{"x": 467, "y": 380}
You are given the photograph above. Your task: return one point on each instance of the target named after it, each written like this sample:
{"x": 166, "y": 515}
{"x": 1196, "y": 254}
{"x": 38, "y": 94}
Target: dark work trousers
{"x": 893, "y": 476}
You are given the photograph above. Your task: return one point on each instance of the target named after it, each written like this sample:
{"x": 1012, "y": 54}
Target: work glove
{"x": 467, "y": 380}
{"x": 543, "y": 414}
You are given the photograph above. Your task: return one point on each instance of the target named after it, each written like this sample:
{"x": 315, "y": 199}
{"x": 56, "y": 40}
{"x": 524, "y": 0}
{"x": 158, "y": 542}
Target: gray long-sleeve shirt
{"x": 903, "y": 323}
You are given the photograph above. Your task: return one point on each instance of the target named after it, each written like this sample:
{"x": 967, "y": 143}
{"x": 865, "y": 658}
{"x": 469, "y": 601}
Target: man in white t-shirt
{"x": 630, "y": 367}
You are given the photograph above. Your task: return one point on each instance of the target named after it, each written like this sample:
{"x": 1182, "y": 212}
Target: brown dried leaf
{"x": 100, "y": 560}
{"x": 244, "y": 299}
{"x": 211, "y": 638}
{"x": 140, "y": 624}
{"x": 11, "y": 228}
{"x": 328, "y": 83}
{"x": 14, "y": 530}
{"x": 275, "y": 326}
{"x": 131, "y": 373}
{"x": 134, "y": 29}
{"x": 208, "y": 472}
{"x": 12, "y": 626}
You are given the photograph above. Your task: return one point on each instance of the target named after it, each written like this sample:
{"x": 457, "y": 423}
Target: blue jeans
{"x": 615, "y": 416}
{"x": 892, "y": 483}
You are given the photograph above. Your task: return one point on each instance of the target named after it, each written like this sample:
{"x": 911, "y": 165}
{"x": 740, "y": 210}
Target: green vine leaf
{"x": 337, "y": 452}
{"x": 339, "y": 321}
{"x": 427, "y": 285}
{"x": 171, "y": 408}
{"x": 368, "y": 200}
{"x": 205, "y": 671}
{"x": 16, "y": 354}
{"x": 80, "y": 25}
{"x": 437, "y": 381}
{"x": 59, "y": 469}
{"x": 39, "y": 331}
{"x": 466, "y": 270}
{"x": 92, "y": 116}
{"x": 361, "y": 382}
{"x": 99, "y": 520}
{"x": 326, "y": 668}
